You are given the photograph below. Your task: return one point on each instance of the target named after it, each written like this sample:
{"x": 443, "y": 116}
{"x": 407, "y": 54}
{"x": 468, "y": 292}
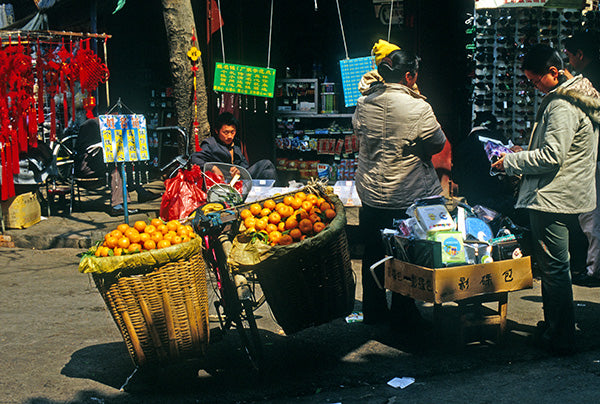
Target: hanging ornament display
{"x": 36, "y": 73}
{"x": 194, "y": 54}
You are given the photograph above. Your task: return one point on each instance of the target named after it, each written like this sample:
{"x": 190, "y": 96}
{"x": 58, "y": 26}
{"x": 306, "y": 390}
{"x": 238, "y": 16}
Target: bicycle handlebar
{"x": 181, "y": 131}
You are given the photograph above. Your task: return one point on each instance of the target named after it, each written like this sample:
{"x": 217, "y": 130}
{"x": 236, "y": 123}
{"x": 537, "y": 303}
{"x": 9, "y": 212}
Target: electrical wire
{"x": 221, "y": 30}
{"x": 342, "y": 27}
{"x": 270, "y": 32}
{"x": 390, "y": 21}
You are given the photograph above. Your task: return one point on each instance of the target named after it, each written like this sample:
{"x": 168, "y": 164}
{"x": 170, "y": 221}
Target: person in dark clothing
{"x": 584, "y": 55}
{"x": 471, "y": 169}
{"x": 221, "y": 148}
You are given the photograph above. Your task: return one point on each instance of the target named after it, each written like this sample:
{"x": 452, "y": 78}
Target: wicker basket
{"x": 162, "y": 314}
{"x": 311, "y": 282}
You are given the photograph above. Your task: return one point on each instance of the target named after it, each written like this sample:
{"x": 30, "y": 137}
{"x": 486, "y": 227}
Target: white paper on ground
{"x": 401, "y": 382}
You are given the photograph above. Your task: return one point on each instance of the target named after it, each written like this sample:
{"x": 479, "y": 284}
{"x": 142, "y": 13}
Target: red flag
{"x": 214, "y": 19}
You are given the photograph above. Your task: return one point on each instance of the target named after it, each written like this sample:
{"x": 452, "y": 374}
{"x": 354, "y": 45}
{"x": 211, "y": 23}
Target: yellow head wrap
{"x": 381, "y": 49}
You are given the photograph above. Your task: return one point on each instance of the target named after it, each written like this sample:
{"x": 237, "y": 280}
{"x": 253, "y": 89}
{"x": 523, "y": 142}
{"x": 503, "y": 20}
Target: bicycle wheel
{"x": 248, "y": 330}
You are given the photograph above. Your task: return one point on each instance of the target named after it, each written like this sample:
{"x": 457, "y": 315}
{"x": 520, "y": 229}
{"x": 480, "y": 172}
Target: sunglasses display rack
{"x": 501, "y": 38}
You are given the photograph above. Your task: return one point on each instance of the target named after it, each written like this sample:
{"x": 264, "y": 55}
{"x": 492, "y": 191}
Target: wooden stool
{"x": 473, "y": 314}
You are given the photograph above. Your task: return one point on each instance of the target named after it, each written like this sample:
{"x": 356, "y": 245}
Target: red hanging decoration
{"x": 194, "y": 55}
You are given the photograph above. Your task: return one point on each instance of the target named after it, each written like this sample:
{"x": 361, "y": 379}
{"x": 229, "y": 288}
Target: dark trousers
{"x": 375, "y": 309}
{"x": 550, "y": 233}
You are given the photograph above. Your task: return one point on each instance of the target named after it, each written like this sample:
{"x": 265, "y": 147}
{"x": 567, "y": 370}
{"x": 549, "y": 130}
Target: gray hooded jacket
{"x": 398, "y": 134}
{"x": 558, "y": 168}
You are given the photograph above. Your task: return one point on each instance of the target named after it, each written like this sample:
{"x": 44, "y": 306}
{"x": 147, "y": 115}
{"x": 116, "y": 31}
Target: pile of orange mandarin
{"x": 293, "y": 219}
{"x": 144, "y": 236}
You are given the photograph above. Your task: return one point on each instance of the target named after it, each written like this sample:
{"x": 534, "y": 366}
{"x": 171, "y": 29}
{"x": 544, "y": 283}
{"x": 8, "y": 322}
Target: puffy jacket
{"x": 558, "y": 168}
{"x": 213, "y": 151}
{"x": 398, "y": 134}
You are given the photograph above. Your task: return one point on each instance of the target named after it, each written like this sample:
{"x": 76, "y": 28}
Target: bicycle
{"x": 236, "y": 301}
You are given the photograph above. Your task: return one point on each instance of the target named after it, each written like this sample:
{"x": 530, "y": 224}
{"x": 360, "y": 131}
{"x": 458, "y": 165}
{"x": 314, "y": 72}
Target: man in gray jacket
{"x": 398, "y": 134}
{"x": 558, "y": 170}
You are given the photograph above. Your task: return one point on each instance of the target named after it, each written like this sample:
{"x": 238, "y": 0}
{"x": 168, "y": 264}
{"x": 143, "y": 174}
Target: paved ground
{"x": 60, "y": 345}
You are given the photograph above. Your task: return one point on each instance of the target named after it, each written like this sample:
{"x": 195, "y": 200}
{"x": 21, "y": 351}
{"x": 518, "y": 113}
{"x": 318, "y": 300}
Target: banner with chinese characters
{"x": 124, "y": 138}
{"x": 249, "y": 80}
{"x": 352, "y": 72}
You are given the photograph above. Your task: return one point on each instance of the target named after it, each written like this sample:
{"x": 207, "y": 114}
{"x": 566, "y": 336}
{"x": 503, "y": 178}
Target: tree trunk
{"x": 179, "y": 24}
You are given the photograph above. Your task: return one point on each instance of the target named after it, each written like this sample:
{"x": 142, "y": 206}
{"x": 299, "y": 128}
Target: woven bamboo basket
{"x": 162, "y": 313}
{"x": 310, "y": 282}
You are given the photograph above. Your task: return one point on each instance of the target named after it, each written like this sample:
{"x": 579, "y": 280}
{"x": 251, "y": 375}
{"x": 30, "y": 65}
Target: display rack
{"x": 501, "y": 38}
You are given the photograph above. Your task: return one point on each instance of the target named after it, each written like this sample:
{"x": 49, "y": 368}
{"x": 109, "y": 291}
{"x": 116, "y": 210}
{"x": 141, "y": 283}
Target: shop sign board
{"x": 240, "y": 79}
{"x": 450, "y": 284}
{"x": 124, "y": 138}
{"x": 575, "y": 4}
{"x": 352, "y": 72}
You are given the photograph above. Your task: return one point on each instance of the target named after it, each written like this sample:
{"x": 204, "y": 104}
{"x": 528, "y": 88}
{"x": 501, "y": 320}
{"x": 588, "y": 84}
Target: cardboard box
{"x": 21, "y": 211}
{"x": 450, "y": 284}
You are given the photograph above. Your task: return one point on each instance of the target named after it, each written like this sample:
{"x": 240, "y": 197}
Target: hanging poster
{"x": 249, "y": 80}
{"x": 124, "y": 138}
{"x": 352, "y": 72}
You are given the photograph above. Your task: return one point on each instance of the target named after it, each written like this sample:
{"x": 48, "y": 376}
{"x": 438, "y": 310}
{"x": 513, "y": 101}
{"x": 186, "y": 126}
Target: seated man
{"x": 222, "y": 149}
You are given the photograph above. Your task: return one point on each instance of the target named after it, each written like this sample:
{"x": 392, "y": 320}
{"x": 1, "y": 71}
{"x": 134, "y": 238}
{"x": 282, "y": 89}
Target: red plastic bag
{"x": 183, "y": 194}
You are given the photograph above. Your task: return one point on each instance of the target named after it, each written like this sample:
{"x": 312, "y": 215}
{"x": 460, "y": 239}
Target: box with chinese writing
{"x": 21, "y": 211}
{"x": 450, "y": 284}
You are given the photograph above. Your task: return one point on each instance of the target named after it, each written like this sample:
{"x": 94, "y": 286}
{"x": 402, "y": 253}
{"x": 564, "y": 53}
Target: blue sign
{"x": 124, "y": 138}
{"x": 352, "y": 72}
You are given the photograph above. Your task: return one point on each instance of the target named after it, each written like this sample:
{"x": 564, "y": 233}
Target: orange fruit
{"x": 255, "y": 209}
{"x": 281, "y": 226}
{"x": 123, "y": 227}
{"x": 156, "y": 236}
{"x": 244, "y": 214}
{"x": 324, "y": 206}
{"x": 162, "y": 228}
{"x": 169, "y": 236}
{"x": 318, "y": 226}
{"x": 314, "y": 218}
{"x": 123, "y": 242}
{"x": 117, "y": 251}
{"x": 111, "y": 242}
{"x": 305, "y": 226}
{"x": 314, "y": 209}
{"x": 98, "y": 251}
{"x": 143, "y": 238}
{"x": 134, "y": 237}
{"x": 105, "y": 251}
{"x": 173, "y": 225}
{"x": 116, "y": 233}
{"x": 274, "y": 237}
{"x": 301, "y": 214}
{"x": 287, "y": 200}
{"x": 296, "y": 203}
{"x": 190, "y": 229}
{"x": 250, "y": 222}
{"x": 286, "y": 239}
{"x": 140, "y": 225}
{"x": 176, "y": 240}
{"x": 330, "y": 214}
{"x": 265, "y": 212}
{"x": 134, "y": 247}
{"x": 269, "y": 204}
{"x": 163, "y": 244}
{"x": 271, "y": 227}
{"x": 150, "y": 229}
{"x": 295, "y": 234}
{"x": 283, "y": 210}
{"x": 320, "y": 201}
{"x": 156, "y": 221}
{"x": 312, "y": 198}
{"x": 291, "y": 223}
{"x": 130, "y": 231}
{"x": 150, "y": 244}
{"x": 262, "y": 223}
{"x": 300, "y": 195}
{"x": 279, "y": 205}
{"x": 307, "y": 205}
{"x": 274, "y": 218}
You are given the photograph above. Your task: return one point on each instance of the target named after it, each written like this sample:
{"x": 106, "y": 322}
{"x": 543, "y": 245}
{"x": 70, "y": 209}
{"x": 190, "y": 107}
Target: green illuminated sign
{"x": 240, "y": 79}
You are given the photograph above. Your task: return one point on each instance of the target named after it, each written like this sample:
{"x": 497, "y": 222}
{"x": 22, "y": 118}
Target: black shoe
{"x": 121, "y": 211}
{"x": 583, "y": 279}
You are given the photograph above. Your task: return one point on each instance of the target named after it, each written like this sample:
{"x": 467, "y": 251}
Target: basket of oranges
{"x": 300, "y": 256}
{"x": 152, "y": 278}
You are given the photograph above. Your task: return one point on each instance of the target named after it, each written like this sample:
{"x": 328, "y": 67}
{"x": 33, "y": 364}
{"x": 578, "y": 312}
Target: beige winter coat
{"x": 398, "y": 134}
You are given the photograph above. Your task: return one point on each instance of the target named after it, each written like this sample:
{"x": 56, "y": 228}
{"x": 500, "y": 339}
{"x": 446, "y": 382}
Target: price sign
{"x": 124, "y": 138}
{"x": 240, "y": 79}
{"x": 352, "y": 72}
